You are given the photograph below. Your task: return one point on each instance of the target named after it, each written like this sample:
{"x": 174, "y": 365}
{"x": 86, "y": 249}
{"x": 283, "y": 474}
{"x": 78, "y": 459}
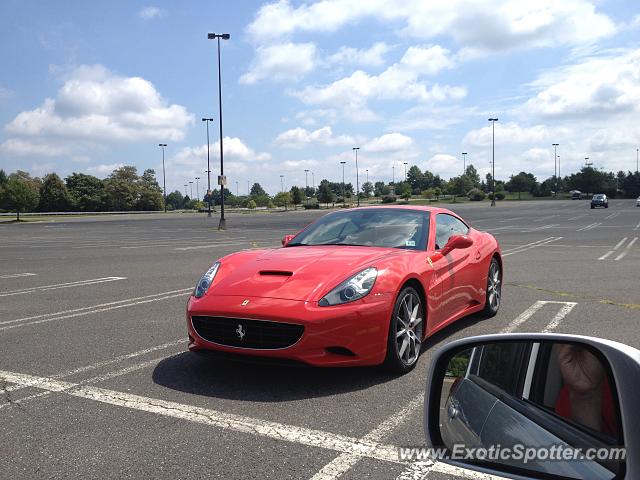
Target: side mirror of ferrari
{"x": 455, "y": 242}
{"x": 286, "y": 239}
{"x": 535, "y": 406}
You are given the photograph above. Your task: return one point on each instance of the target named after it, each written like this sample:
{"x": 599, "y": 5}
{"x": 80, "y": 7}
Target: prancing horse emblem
{"x": 241, "y": 333}
{"x": 245, "y": 303}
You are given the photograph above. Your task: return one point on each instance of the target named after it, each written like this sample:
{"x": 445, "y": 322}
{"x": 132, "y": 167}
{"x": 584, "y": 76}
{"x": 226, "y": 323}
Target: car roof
{"x": 423, "y": 208}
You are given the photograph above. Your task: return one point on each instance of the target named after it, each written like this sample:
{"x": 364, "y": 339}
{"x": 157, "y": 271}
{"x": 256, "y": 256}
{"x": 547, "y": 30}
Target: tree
{"x": 367, "y": 188}
{"x": 309, "y": 191}
{"x": 257, "y": 190}
{"x": 588, "y": 180}
{"x": 121, "y": 189}
{"x": 429, "y": 193}
{"x": 325, "y": 194}
{"x": 150, "y": 193}
{"x": 380, "y": 189}
{"x": 522, "y": 182}
{"x": 473, "y": 175}
{"x": 3, "y": 178}
{"x": 86, "y": 192}
{"x": 19, "y": 196}
{"x": 296, "y": 195}
{"x": 415, "y": 178}
{"x": 175, "y": 200}
{"x": 460, "y": 185}
{"x": 54, "y": 196}
{"x": 282, "y": 199}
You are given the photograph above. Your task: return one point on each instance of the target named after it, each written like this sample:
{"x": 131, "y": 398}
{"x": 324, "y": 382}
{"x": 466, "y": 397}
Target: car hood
{"x": 295, "y": 273}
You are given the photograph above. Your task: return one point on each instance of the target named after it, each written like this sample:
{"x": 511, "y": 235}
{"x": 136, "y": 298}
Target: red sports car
{"x": 362, "y": 286}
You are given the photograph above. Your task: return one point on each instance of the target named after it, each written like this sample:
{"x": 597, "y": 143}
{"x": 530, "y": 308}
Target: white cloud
{"x": 104, "y": 169}
{"x": 477, "y": 24}
{"x": 238, "y": 158}
{"x": 97, "y": 107}
{"x": 284, "y": 61}
{"x": 369, "y": 57}
{"x": 509, "y": 133}
{"x": 390, "y": 142}
{"x": 299, "y": 165}
{"x": 599, "y": 86}
{"x": 22, "y": 148}
{"x": 402, "y": 80}
{"x": 5, "y": 94}
{"x": 149, "y": 13}
{"x": 301, "y": 137}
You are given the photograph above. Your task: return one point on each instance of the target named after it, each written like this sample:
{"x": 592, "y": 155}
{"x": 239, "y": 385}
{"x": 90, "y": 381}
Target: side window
{"x": 499, "y": 364}
{"x": 446, "y": 226}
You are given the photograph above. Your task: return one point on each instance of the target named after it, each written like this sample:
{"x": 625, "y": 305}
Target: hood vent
{"x": 276, "y": 273}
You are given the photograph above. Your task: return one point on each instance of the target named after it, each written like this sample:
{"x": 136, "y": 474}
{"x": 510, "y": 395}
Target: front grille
{"x": 235, "y": 332}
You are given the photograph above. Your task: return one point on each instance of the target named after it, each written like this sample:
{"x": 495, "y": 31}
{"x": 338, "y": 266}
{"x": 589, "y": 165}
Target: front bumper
{"x": 342, "y": 335}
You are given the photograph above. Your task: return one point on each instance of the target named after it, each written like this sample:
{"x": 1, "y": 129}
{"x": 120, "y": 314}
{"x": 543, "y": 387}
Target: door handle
{"x": 478, "y": 255}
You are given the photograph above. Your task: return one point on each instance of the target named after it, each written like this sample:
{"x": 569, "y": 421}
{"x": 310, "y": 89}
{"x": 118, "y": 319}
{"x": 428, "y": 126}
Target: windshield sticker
{"x": 410, "y": 243}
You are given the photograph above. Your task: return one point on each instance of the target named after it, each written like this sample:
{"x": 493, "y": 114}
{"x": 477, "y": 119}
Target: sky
{"x": 89, "y": 86}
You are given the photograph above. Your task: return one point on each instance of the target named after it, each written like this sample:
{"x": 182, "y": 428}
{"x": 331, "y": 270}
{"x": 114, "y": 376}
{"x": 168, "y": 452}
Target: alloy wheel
{"x": 409, "y": 328}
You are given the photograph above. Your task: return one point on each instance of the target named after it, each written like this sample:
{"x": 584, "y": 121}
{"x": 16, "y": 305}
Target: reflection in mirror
{"x": 542, "y": 400}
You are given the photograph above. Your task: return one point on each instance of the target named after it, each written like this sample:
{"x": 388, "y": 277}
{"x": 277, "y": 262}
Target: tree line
{"x": 125, "y": 190}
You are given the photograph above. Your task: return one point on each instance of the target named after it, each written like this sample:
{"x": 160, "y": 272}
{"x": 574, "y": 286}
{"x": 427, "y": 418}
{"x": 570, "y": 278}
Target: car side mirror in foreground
{"x": 286, "y": 239}
{"x": 455, "y": 242}
{"x": 536, "y": 406}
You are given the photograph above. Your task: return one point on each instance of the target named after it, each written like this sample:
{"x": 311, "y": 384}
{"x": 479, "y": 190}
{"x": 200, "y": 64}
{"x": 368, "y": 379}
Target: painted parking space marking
{"x": 543, "y": 227}
{"x": 90, "y": 312}
{"x": 589, "y": 227}
{"x": 529, "y": 312}
{"x": 43, "y": 288}
{"x": 612, "y": 215}
{"x": 529, "y": 246}
{"x": 18, "y": 275}
{"x": 626, "y": 250}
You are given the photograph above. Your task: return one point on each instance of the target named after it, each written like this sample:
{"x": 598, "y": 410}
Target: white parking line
{"x": 529, "y": 246}
{"x": 95, "y": 366}
{"x": 637, "y": 227}
{"x": 344, "y": 462}
{"x": 90, "y": 312}
{"x": 214, "y": 418}
{"x": 613, "y": 215}
{"x": 43, "y": 288}
{"x": 555, "y": 321}
{"x": 16, "y": 275}
{"x": 543, "y": 227}
{"x": 588, "y": 227}
{"x": 578, "y": 216}
{"x": 528, "y": 313}
{"x": 93, "y": 307}
{"x": 627, "y": 249}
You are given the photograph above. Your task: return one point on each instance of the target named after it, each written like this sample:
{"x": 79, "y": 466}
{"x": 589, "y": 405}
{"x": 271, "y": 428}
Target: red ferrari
{"x": 362, "y": 286}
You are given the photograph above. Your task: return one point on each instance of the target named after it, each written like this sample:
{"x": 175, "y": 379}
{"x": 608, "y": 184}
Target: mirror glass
{"x": 532, "y": 407}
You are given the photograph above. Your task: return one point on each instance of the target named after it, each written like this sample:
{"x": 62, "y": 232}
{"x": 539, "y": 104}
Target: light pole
{"x": 343, "y": 198}
{"x": 464, "y": 162}
{"x": 637, "y": 150}
{"x": 191, "y": 185}
{"x": 237, "y": 189}
{"x": 207, "y": 120}
{"x": 405, "y": 171}
{"x": 198, "y": 188}
{"x": 493, "y": 160}
{"x": 185, "y": 190}
{"x": 217, "y": 36}
{"x": 282, "y": 183}
{"x": 248, "y": 190}
{"x": 313, "y": 180}
{"x": 164, "y": 178}
{"x": 367, "y": 170}
{"x": 306, "y": 185}
{"x": 355, "y": 149}
{"x": 558, "y": 179}
{"x": 393, "y": 175}
{"x": 555, "y": 166}
{"x": 587, "y": 163}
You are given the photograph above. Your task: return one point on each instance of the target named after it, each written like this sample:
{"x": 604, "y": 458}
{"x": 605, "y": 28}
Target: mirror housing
{"x": 286, "y": 239}
{"x": 623, "y": 364}
{"x": 455, "y": 242}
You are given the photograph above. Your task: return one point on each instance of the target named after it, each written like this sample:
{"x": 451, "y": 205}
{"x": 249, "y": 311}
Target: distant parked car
{"x": 638, "y": 202}
{"x": 576, "y": 195}
{"x": 600, "y": 200}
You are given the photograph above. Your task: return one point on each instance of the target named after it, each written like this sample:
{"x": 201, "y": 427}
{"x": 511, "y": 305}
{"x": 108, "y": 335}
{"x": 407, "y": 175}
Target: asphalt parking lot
{"x": 97, "y": 383}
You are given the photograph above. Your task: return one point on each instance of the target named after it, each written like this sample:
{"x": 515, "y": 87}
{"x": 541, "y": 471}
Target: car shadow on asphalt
{"x": 263, "y": 380}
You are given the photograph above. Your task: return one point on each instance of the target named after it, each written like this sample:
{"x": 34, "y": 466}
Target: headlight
{"x": 352, "y": 289}
{"x": 206, "y": 280}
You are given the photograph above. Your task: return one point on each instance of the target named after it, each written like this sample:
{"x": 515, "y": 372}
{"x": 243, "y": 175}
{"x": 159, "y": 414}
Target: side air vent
{"x": 276, "y": 273}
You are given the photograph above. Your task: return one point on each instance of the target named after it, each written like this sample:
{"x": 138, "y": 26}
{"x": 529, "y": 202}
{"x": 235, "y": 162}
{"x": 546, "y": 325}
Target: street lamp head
{"x": 343, "y": 163}
{"x": 464, "y": 153}
{"x": 162, "y": 144}
{"x": 355, "y": 148}
{"x": 493, "y": 119}
{"x": 555, "y": 144}
{"x": 213, "y": 36}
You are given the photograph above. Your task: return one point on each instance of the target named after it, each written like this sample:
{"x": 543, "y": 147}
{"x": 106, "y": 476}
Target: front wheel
{"x": 494, "y": 288}
{"x": 405, "y": 332}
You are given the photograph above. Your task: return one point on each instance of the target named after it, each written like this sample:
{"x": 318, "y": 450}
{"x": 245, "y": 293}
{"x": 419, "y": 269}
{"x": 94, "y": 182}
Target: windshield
{"x": 371, "y": 227}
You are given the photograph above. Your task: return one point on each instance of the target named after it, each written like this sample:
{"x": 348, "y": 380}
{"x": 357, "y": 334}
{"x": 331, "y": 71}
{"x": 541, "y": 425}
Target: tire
{"x": 494, "y": 289}
{"x": 406, "y": 328}
{"x": 606, "y": 206}
{"x": 592, "y": 207}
